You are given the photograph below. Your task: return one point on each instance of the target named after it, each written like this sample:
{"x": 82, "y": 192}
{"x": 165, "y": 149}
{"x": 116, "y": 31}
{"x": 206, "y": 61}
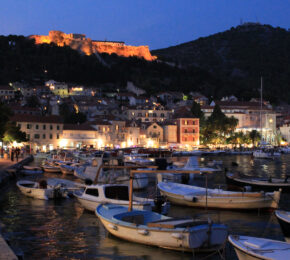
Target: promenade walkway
{"x": 4, "y": 163}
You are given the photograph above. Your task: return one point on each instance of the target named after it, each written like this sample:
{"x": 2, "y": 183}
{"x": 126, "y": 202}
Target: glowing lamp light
{"x": 150, "y": 143}
{"x": 130, "y": 143}
{"x": 100, "y": 143}
{"x": 63, "y": 143}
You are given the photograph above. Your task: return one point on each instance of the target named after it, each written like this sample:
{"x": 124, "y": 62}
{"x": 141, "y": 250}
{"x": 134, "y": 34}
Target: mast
{"x": 261, "y": 101}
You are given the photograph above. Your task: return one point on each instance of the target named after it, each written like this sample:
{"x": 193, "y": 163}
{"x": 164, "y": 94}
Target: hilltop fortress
{"x": 81, "y": 43}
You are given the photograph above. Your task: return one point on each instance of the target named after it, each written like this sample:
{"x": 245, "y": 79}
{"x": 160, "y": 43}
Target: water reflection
{"x": 62, "y": 229}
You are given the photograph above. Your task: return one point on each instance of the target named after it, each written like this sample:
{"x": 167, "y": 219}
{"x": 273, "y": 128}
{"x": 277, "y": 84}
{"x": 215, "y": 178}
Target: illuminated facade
{"x": 43, "y": 132}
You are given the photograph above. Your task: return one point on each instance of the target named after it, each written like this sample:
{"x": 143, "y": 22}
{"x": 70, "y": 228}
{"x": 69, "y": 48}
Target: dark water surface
{"x": 40, "y": 229}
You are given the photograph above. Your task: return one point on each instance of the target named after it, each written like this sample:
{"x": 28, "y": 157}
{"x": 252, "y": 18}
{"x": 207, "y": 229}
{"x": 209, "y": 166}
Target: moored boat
{"x": 40, "y": 190}
{"x": 94, "y": 195}
{"x": 284, "y": 221}
{"x": 253, "y": 248}
{"x": 194, "y": 196}
{"x": 51, "y": 169}
{"x": 258, "y": 184}
{"x": 151, "y": 228}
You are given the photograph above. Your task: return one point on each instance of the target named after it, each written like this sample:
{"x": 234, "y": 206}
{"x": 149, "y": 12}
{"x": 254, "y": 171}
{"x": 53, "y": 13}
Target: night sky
{"x": 157, "y": 23}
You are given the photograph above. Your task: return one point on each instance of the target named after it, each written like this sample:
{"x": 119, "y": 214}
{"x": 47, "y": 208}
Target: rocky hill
{"x": 223, "y": 64}
{"x": 88, "y": 46}
{"x": 239, "y": 57}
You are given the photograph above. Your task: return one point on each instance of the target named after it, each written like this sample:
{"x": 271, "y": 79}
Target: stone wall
{"x": 89, "y": 47}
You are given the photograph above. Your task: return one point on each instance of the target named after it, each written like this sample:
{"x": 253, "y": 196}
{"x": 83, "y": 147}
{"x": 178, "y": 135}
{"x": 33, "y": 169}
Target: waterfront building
{"x": 251, "y": 116}
{"x": 43, "y": 132}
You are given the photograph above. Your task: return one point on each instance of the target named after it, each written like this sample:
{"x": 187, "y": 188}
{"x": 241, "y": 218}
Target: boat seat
{"x": 177, "y": 222}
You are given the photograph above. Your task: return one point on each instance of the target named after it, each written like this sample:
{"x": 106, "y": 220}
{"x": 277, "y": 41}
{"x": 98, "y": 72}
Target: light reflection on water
{"x": 62, "y": 229}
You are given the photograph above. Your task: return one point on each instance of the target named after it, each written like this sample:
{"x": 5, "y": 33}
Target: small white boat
{"x": 50, "y": 188}
{"x": 194, "y": 196}
{"x": 264, "y": 154}
{"x": 253, "y": 248}
{"x": 40, "y": 190}
{"x": 151, "y": 228}
{"x": 284, "y": 221}
{"x": 94, "y": 195}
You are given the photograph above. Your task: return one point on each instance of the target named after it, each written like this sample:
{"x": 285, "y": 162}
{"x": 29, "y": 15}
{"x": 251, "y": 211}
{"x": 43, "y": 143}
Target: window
{"x": 57, "y": 127}
{"x": 185, "y": 122}
{"x": 44, "y": 127}
{"x": 36, "y": 126}
{"x": 185, "y": 130}
{"x": 36, "y": 136}
{"x": 139, "y": 114}
{"x": 28, "y": 136}
{"x": 154, "y": 126}
{"x": 57, "y": 136}
{"x": 43, "y": 136}
{"x": 93, "y": 192}
{"x": 51, "y": 127}
{"x": 162, "y": 115}
{"x": 28, "y": 126}
{"x": 154, "y": 115}
{"x": 50, "y": 136}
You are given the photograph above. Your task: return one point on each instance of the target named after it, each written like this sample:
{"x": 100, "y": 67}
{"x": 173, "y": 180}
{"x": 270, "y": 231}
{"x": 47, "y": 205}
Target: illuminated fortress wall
{"x": 81, "y": 43}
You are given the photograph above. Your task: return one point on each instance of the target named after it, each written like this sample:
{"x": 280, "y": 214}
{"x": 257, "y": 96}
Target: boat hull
{"x": 196, "y": 198}
{"x": 250, "y": 248}
{"x": 270, "y": 186}
{"x": 91, "y": 205}
{"x": 194, "y": 238}
{"x": 284, "y": 223}
{"x": 224, "y": 203}
{"x": 37, "y": 193}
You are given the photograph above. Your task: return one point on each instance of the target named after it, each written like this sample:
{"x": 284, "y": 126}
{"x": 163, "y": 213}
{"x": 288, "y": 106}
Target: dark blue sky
{"x": 157, "y": 23}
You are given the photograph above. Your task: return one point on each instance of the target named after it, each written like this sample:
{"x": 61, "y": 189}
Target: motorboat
{"x": 192, "y": 164}
{"x": 51, "y": 188}
{"x": 94, "y": 195}
{"x": 193, "y": 196}
{"x": 284, "y": 221}
{"x": 141, "y": 180}
{"x": 151, "y": 228}
{"x": 266, "y": 154}
{"x": 252, "y": 248}
{"x": 257, "y": 184}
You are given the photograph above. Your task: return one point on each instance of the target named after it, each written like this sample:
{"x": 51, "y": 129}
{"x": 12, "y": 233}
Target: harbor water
{"x": 62, "y": 229}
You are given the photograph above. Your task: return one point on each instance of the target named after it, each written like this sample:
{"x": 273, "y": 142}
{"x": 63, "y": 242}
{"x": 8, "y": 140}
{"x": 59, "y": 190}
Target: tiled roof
{"x": 36, "y": 119}
{"x": 5, "y": 88}
{"x": 80, "y": 127}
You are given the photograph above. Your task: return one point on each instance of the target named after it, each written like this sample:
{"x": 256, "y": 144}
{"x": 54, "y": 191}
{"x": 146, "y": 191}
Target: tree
{"x": 197, "y": 112}
{"x": 32, "y": 101}
{"x": 255, "y": 136}
{"x": 218, "y": 127}
{"x": 5, "y": 113}
{"x": 13, "y": 133}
